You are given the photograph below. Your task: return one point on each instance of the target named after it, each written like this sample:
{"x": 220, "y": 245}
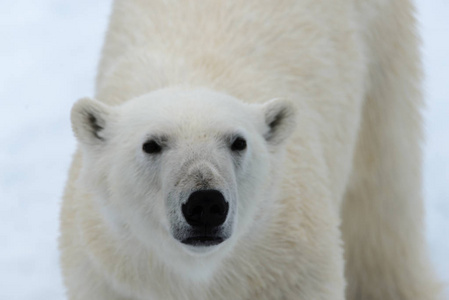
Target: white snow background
{"x": 49, "y": 50}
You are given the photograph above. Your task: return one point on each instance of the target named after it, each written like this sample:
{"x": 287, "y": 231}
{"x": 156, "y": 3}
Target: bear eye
{"x": 239, "y": 144}
{"x": 151, "y": 147}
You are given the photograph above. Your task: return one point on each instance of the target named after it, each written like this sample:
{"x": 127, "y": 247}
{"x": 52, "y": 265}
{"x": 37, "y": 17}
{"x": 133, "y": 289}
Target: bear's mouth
{"x": 204, "y": 241}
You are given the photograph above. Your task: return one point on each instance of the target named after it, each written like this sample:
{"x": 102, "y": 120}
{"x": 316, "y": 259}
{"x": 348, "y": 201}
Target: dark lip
{"x": 204, "y": 241}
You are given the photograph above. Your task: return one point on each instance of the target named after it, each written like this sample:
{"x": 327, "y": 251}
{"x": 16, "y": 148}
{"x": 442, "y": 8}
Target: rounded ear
{"x": 280, "y": 117}
{"x": 89, "y": 119}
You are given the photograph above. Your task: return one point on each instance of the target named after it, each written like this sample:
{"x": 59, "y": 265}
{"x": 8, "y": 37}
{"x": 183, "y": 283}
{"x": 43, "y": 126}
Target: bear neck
{"x": 140, "y": 71}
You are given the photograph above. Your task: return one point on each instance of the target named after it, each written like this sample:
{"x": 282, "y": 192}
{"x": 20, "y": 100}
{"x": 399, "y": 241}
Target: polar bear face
{"x": 186, "y": 172}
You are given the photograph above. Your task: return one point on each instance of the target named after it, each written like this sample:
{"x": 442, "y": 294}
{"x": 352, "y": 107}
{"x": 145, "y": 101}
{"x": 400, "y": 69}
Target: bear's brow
{"x": 231, "y": 136}
{"x": 159, "y": 138}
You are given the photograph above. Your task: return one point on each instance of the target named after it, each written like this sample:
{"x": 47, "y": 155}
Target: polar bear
{"x": 250, "y": 150}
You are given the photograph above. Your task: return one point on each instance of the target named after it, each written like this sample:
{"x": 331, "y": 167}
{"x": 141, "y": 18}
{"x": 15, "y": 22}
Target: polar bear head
{"x": 189, "y": 173}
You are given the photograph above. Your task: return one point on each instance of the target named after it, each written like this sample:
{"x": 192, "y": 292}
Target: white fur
{"x": 337, "y": 164}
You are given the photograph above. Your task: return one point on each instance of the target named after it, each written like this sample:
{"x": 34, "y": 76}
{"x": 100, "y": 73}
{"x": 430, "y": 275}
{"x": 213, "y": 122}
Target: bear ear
{"x": 280, "y": 117}
{"x": 89, "y": 119}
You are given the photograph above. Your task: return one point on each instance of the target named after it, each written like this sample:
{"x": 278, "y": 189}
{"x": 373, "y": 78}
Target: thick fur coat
{"x": 328, "y": 204}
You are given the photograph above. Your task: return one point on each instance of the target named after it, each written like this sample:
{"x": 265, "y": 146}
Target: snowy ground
{"x": 48, "y": 53}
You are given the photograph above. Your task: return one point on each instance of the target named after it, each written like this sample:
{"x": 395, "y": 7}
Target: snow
{"x": 49, "y": 50}
{"x": 434, "y": 27}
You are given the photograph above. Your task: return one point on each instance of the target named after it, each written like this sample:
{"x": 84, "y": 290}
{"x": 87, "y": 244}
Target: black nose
{"x": 205, "y": 208}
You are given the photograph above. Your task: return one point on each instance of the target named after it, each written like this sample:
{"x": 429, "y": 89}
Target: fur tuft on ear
{"x": 89, "y": 119}
{"x": 280, "y": 117}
